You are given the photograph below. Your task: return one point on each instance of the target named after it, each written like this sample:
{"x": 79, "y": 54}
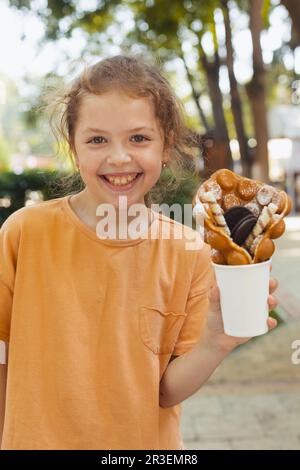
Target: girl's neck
{"x": 85, "y": 208}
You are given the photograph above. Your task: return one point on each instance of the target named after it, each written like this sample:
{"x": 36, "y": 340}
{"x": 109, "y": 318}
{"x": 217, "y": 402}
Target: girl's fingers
{"x": 272, "y": 302}
{"x": 273, "y": 285}
{"x": 272, "y": 323}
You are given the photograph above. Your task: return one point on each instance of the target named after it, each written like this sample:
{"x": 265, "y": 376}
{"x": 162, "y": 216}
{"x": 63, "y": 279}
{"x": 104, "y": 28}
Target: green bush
{"x": 15, "y": 186}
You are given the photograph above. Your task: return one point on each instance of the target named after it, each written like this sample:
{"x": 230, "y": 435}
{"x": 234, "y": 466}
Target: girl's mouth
{"x": 120, "y": 184}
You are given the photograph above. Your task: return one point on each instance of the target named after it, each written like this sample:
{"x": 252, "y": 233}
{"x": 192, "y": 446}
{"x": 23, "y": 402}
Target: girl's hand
{"x": 214, "y": 327}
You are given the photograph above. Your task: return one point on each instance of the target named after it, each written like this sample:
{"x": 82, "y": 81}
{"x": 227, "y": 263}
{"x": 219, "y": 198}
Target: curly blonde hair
{"x": 137, "y": 79}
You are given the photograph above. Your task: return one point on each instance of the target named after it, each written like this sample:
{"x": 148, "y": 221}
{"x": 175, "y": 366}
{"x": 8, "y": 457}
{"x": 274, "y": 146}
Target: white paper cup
{"x": 244, "y": 294}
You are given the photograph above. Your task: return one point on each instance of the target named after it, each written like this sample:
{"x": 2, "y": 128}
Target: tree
{"x": 196, "y": 95}
{"x": 236, "y": 102}
{"x": 256, "y": 91}
{"x": 293, "y": 7}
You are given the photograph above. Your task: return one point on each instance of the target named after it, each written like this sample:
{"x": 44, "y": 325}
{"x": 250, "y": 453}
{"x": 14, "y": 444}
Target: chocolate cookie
{"x": 243, "y": 229}
{"x": 236, "y": 214}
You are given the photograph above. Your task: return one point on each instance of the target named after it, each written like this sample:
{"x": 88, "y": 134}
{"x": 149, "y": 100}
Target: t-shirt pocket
{"x": 159, "y": 330}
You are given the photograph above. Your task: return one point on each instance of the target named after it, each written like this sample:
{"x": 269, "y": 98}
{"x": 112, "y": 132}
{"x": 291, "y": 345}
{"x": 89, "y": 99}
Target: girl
{"x": 107, "y": 336}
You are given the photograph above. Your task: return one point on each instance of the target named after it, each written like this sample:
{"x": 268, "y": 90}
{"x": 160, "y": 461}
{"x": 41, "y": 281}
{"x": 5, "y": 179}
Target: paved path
{"x": 252, "y": 401}
{"x": 286, "y": 268}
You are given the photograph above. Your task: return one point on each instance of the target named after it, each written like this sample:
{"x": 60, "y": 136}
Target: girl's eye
{"x": 139, "y": 140}
{"x": 96, "y": 140}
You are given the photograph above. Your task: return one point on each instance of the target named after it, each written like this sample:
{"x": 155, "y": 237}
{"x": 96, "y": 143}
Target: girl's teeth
{"x": 121, "y": 180}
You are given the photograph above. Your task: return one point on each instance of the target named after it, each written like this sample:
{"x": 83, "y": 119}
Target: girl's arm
{"x": 187, "y": 373}
{"x": 3, "y": 377}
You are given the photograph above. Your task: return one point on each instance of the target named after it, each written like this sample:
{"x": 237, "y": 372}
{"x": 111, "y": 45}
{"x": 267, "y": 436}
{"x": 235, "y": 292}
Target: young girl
{"x": 107, "y": 336}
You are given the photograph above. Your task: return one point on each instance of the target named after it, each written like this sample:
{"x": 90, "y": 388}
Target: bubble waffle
{"x": 241, "y": 217}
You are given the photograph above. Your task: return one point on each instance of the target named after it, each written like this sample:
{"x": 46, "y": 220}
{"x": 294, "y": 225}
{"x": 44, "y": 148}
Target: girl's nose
{"x": 118, "y": 155}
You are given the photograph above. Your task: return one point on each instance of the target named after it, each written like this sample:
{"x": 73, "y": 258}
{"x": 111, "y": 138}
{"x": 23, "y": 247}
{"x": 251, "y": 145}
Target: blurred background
{"x": 235, "y": 64}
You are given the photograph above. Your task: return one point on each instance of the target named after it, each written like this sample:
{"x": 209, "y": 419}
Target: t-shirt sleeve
{"x": 197, "y": 303}
{"x": 9, "y": 237}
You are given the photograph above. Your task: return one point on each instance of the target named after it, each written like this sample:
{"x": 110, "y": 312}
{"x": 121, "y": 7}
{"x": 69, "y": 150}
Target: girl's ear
{"x": 168, "y": 146}
{"x": 167, "y": 154}
{"x": 171, "y": 139}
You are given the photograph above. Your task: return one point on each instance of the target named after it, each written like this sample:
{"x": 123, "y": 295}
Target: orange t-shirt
{"x": 91, "y": 326}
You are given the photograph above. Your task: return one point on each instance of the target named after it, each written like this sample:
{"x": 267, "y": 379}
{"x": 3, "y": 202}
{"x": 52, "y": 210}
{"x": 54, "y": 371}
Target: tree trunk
{"x": 256, "y": 91}
{"x": 196, "y": 96}
{"x": 293, "y": 7}
{"x": 220, "y": 155}
{"x": 236, "y": 103}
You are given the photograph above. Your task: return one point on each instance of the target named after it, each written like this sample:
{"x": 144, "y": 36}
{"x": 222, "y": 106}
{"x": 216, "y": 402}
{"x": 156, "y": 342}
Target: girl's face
{"x": 119, "y": 137}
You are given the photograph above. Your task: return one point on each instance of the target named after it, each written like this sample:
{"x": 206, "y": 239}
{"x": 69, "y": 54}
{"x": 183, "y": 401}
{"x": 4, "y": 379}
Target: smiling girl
{"x": 107, "y": 336}
{"x": 119, "y": 150}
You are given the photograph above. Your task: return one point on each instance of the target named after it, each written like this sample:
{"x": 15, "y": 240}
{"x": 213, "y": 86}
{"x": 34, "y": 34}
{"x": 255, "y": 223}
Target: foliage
{"x": 14, "y": 187}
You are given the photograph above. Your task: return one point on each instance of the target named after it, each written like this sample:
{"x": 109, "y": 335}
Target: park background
{"x": 235, "y": 64}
